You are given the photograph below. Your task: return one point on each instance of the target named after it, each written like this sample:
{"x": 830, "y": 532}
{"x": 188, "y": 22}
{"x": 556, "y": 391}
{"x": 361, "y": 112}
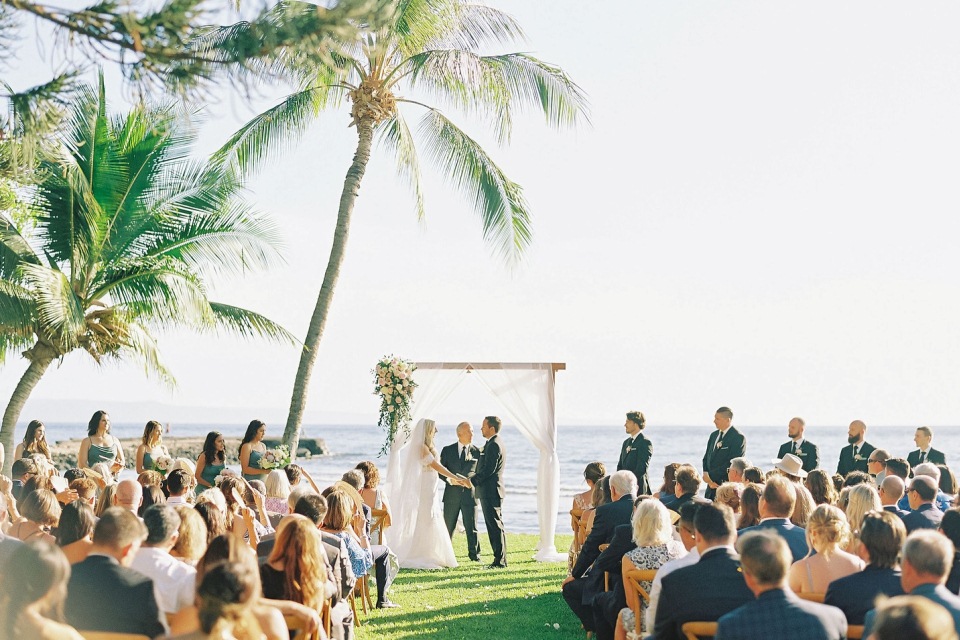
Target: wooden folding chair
{"x": 812, "y": 597}
{"x": 606, "y": 574}
{"x": 379, "y": 521}
{"x": 325, "y": 616}
{"x": 698, "y": 630}
{"x": 855, "y": 632}
{"x": 363, "y": 590}
{"x": 109, "y": 635}
{"x": 353, "y": 607}
{"x": 631, "y": 583}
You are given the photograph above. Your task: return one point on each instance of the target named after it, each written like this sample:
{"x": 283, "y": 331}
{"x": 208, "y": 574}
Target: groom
{"x": 461, "y": 458}
{"x": 488, "y": 481}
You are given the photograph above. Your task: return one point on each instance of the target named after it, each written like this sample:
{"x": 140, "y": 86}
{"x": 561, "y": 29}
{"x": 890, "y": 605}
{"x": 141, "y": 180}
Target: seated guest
{"x": 950, "y": 527}
{"x": 754, "y": 474}
{"x": 298, "y": 477}
{"x": 729, "y": 494}
{"x": 623, "y": 489}
{"x": 374, "y": 498}
{"x": 600, "y": 497}
{"x": 179, "y": 486}
{"x": 278, "y": 490}
{"x": 652, "y": 533}
{"x": 777, "y": 612}
{"x": 582, "y": 502}
{"x": 821, "y": 487}
{"x": 23, "y": 469}
{"x": 943, "y": 501}
{"x": 104, "y": 580}
{"x": 891, "y": 491}
{"x": 689, "y": 541}
{"x": 750, "y": 505}
{"x": 861, "y": 499}
{"x": 151, "y": 495}
{"x": 804, "y": 506}
{"x": 226, "y": 602}
{"x": 881, "y": 536}
{"x": 86, "y": 490}
{"x": 40, "y": 512}
{"x": 381, "y": 553}
{"x": 150, "y": 478}
{"x": 249, "y": 524}
{"x": 586, "y": 596}
{"x": 7, "y": 544}
{"x": 710, "y": 588}
{"x": 776, "y": 505}
{"x": 173, "y": 581}
{"x": 927, "y": 559}
{"x": 75, "y": 531}
{"x": 666, "y": 494}
{"x": 192, "y": 536}
{"x": 826, "y": 532}
{"x": 737, "y": 468}
{"x": 924, "y": 514}
{"x": 129, "y": 495}
{"x": 948, "y": 482}
{"x": 913, "y": 617}
{"x": 213, "y": 517}
{"x": 296, "y": 568}
{"x": 877, "y": 463}
{"x": 105, "y": 499}
{"x": 901, "y": 468}
{"x": 31, "y": 589}
{"x": 688, "y": 483}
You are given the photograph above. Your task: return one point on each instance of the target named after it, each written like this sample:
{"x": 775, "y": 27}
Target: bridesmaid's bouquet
{"x": 162, "y": 465}
{"x": 393, "y": 382}
{"x": 275, "y": 458}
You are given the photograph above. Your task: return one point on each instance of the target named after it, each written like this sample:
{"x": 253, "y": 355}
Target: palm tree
{"x": 430, "y": 47}
{"x": 127, "y": 230}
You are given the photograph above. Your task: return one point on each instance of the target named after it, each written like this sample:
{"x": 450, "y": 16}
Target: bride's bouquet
{"x": 393, "y": 382}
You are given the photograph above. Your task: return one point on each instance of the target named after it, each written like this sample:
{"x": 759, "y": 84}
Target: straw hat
{"x": 350, "y": 491}
{"x": 792, "y": 465}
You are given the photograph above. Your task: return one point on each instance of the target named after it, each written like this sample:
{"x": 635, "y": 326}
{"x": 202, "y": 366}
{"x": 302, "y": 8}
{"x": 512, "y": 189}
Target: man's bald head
{"x": 891, "y": 490}
{"x": 464, "y": 433}
{"x": 129, "y": 495}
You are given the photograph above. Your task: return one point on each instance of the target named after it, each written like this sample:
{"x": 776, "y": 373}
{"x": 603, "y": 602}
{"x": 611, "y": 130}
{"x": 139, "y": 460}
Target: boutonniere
{"x": 629, "y": 449}
{"x": 859, "y": 458}
{"x": 802, "y": 454}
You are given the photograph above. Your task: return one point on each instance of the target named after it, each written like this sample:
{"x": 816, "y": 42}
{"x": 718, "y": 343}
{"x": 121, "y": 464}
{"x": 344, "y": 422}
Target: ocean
{"x": 577, "y": 446}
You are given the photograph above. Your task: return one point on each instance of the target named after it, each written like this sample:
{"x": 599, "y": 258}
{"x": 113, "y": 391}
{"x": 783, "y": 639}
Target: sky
{"x": 758, "y": 215}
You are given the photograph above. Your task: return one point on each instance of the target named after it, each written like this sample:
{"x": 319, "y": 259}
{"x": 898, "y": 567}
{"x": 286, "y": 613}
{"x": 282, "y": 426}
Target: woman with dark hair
{"x": 244, "y": 505}
{"x": 151, "y": 447}
{"x": 601, "y": 496}
{"x": 100, "y": 446}
{"x": 252, "y": 450}
{"x": 667, "y": 492}
{"x": 40, "y": 511}
{"x": 374, "y": 498}
{"x": 948, "y": 481}
{"x": 34, "y": 442}
{"x": 213, "y": 517}
{"x": 583, "y": 501}
{"x": 75, "y": 531}
{"x": 820, "y": 485}
{"x": 151, "y": 495}
{"x": 211, "y": 462}
{"x": 33, "y": 586}
{"x": 754, "y": 474}
{"x": 294, "y": 570}
{"x": 750, "y": 505}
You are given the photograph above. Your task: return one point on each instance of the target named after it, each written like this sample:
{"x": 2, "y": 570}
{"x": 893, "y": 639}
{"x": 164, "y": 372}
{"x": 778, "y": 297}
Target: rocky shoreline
{"x": 64, "y": 452}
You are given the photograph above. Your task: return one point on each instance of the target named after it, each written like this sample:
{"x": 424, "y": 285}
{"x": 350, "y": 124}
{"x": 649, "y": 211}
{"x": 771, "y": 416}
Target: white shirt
{"x": 173, "y": 580}
{"x": 175, "y": 500}
{"x": 692, "y": 557}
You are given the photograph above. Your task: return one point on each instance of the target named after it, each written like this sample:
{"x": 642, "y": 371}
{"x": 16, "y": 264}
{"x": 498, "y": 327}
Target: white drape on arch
{"x": 527, "y": 394}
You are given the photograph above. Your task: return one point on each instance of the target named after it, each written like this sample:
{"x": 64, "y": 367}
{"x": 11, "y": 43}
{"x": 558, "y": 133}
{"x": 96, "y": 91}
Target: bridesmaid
{"x": 34, "y": 441}
{"x": 100, "y": 446}
{"x": 151, "y": 447}
{"x": 252, "y": 450}
{"x": 211, "y": 462}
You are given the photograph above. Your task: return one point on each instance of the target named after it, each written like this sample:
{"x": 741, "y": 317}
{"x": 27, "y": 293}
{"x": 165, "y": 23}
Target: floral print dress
{"x": 652, "y": 557}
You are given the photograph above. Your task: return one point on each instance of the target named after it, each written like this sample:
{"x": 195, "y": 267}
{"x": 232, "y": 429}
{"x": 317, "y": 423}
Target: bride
{"x": 422, "y": 541}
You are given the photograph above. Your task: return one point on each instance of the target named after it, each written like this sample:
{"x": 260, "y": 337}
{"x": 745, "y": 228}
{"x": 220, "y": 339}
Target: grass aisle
{"x": 469, "y": 602}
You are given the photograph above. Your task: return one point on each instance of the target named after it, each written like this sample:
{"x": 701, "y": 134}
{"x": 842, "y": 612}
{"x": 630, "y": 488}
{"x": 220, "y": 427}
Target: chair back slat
{"x": 633, "y": 578}
{"x": 699, "y": 630}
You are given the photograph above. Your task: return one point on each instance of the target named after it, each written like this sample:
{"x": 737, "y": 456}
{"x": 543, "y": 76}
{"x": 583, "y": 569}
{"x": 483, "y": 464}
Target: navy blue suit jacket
{"x": 897, "y": 511}
{"x": 854, "y": 595}
{"x": 809, "y": 454}
{"x": 926, "y": 516}
{"x": 608, "y": 517}
{"x": 103, "y": 596}
{"x": 795, "y": 536}
{"x": 847, "y": 462}
{"x": 716, "y": 460}
{"x": 610, "y": 559}
{"x": 934, "y": 592}
{"x": 711, "y": 588}
{"x": 779, "y": 613}
{"x": 933, "y": 457}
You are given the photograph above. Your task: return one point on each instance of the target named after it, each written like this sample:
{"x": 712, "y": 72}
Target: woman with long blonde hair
{"x": 151, "y": 447}
{"x": 827, "y": 533}
{"x": 861, "y": 500}
{"x": 294, "y": 570}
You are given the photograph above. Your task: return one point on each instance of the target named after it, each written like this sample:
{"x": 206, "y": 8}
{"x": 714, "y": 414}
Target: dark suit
{"x": 716, "y": 460}
{"x": 848, "y": 464}
{"x": 953, "y": 580}
{"x": 933, "y": 456}
{"x": 809, "y": 454}
{"x": 104, "y": 596}
{"x": 488, "y": 481}
{"x": 795, "y": 536}
{"x": 781, "y": 614}
{"x": 635, "y": 456}
{"x": 580, "y": 594}
{"x": 457, "y": 499}
{"x": 607, "y": 604}
{"x": 926, "y": 516}
{"x": 854, "y": 594}
{"x": 897, "y": 511}
{"x": 605, "y": 521}
{"x": 936, "y": 593}
{"x": 704, "y": 591}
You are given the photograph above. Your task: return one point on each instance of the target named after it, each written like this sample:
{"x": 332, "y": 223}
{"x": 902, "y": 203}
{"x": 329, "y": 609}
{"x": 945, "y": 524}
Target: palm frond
{"x": 473, "y": 26}
{"x": 35, "y": 115}
{"x": 59, "y": 313}
{"x": 14, "y": 249}
{"x": 13, "y": 343}
{"x": 395, "y": 135}
{"x": 249, "y": 324}
{"x": 499, "y": 201}
{"x": 144, "y": 348}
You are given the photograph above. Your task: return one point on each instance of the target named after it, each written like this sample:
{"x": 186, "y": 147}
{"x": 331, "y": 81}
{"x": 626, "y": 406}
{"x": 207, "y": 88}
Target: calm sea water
{"x": 577, "y": 446}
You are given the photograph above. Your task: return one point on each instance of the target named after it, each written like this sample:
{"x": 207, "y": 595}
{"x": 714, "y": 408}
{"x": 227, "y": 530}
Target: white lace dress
{"x": 429, "y": 546}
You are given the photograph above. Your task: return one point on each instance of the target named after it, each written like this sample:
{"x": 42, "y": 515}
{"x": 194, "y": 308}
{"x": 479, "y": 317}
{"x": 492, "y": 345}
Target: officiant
{"x": 461, "y": 459}
{"x": 636, "y": 450}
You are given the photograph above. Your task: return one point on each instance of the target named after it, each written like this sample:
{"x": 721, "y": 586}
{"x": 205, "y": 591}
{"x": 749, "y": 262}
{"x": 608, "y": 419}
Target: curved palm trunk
{"x": 348, "y": 197}
{"x": 40, "y": 356}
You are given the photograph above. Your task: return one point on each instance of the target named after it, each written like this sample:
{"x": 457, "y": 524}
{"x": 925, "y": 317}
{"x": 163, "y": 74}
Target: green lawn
{"x": 521, "y": 601}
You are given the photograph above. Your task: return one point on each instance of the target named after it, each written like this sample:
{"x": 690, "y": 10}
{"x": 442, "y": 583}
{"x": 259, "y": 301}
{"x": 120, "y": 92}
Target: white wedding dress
{"x": 418, "y": 534}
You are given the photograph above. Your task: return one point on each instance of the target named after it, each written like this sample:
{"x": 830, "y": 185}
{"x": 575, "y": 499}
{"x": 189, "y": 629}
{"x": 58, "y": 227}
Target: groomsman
{"x": 808, "y": 452}
{"x": 461, "y": 458}
{"x": 723, "y": 445}
{"x": 636, "y": 451}
{"x": 925, "y": 453}
{"x": 854, "y": 456}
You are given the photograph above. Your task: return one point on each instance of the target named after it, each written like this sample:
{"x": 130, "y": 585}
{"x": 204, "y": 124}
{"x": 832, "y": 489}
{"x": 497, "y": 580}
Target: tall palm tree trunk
{"x": 40, "y": 356}
{"x": 348, "y": 198}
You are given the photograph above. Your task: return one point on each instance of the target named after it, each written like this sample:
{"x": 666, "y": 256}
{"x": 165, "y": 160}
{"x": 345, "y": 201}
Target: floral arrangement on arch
{"x": 276, "y": 458}
{"x": 393, "y": 382}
